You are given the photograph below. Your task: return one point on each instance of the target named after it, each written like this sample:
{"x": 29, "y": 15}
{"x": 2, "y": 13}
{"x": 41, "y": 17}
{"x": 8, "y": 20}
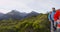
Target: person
{"x": 57, "y": 20}
{"x": 51, "y": 19}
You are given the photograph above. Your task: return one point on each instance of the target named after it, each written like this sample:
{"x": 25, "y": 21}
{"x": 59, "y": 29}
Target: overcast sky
{"x": 41, "y": 6}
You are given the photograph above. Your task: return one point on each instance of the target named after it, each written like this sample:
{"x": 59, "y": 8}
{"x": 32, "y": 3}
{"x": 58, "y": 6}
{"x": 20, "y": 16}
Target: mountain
{"x": 33, "y": 13}
{"x": 1, "y": 15}
{"x": 14, "y": 14}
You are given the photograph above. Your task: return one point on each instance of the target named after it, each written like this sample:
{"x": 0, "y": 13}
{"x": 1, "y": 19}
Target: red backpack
{"x": 57, "y": 17}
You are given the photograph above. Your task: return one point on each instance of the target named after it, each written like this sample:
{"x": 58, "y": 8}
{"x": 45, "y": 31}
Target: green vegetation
{"x": 37, "y": 23}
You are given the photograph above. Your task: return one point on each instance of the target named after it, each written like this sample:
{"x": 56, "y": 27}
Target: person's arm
{"x": 49, "y": 17}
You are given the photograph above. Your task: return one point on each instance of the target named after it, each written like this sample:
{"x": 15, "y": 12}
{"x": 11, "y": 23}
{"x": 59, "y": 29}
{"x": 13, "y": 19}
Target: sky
{"x": 40, "y": 6}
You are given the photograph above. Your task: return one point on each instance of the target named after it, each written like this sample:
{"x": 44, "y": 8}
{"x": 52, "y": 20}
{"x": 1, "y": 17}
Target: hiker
{"x": 51, "y": 19}
{"x": 57, "y": 20}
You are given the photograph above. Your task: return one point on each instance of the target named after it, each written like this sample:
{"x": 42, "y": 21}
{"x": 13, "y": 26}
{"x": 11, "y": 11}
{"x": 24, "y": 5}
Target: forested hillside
{"x": 38, "y": 23}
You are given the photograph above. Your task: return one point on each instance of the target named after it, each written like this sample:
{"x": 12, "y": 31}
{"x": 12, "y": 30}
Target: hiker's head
{"x": 53, "y": 9}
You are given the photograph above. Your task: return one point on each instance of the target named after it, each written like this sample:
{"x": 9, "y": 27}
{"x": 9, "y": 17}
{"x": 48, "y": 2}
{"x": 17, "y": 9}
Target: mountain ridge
{"x": 14, "y": 14}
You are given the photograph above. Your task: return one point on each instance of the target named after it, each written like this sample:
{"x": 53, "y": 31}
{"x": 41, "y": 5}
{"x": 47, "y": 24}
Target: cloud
{"x": 41, "y": 6}
{"x": 10, "y": 5}
{"x": 44, "y": 5}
